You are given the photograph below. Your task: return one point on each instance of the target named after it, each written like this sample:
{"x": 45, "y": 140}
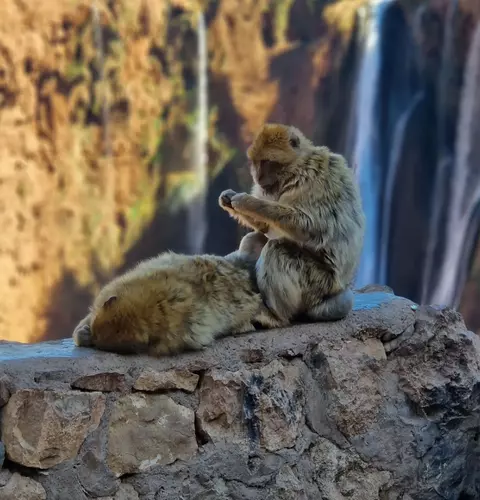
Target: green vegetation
{"x": 74, "y": 70}
{"x": 281, "y": 18}
{"x": 181, "y": 187}
{"x": 221, "y": 151}
{"x": 142, "y": 211}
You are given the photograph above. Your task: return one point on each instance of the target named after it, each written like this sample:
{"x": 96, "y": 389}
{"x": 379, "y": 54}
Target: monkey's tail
{"x": 333, "y": 308}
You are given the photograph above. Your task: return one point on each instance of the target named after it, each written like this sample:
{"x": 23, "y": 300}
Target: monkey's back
{"x": 334, "y": 204}
{"x": 173, "y": 302}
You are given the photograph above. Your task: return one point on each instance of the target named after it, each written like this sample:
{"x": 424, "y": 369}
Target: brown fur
{"x": 306, "y": 200}
{"x": 175, "y": 302}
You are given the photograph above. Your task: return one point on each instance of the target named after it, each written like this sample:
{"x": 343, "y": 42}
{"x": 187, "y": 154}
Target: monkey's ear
{"x": 294, "y": 141}
{"x": 110, "y": 301}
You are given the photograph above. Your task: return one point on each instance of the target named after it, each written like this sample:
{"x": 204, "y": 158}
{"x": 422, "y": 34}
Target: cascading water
{"x": 197, "y": 212}
{"x": 444, "y": 165}
{"x": 366, "y": 150}
{"x": 464, "y": 201}
{"x": 98, "y": 42}
{"x": 106, "y": 163}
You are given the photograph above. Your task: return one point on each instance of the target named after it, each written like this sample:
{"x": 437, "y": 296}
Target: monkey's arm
{"x": 225, "y": 202}
{"x": 293, "y": 223}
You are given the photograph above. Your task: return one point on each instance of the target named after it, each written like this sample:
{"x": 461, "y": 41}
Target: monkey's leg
{"x": 252, "y": 244}
{"x": 287, "y": 280}
{"x": 294, "y": 224}
{"x": 268, "y": 320}
{"x": 332, "y": 308}
{"x": 248, "y": 222}
{"x": 225, "y": 202}
{"x": 249, "y": 250}
{"x": 279, "y": 281}
{"x": 82, "y": 335}
{"x": 244, "y": 328}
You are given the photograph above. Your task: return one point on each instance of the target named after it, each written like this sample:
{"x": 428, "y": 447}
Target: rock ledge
{"x": 382, "y": 405}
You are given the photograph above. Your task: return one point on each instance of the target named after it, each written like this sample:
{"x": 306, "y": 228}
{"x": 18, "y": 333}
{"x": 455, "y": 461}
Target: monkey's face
{"x": 273, "y": 151}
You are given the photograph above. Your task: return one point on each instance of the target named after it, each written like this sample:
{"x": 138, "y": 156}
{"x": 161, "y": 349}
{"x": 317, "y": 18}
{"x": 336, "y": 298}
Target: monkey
{"x": 175, "y": 302}
{"x": 305, "y": 201}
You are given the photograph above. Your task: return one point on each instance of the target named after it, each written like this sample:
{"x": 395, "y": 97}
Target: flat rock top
{"x": 377, "y": 312}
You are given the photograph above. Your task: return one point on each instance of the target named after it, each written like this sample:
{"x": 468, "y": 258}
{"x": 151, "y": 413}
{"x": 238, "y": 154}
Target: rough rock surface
{"x": 150, "y": 380}
{"x": 5, "y": 385}
{"x": 44, "y": 428}
{"x": 383, "y": 405}
{"x": 125, "y": 492}
{"x": 106, "y": 382}
{"x": 145, "y": 431}
{"x": 17, "y": 487}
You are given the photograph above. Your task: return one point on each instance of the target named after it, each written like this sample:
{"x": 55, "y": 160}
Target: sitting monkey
{"x": 305, "y": 199}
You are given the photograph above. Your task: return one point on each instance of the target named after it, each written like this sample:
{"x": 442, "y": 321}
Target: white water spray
{"x": 107, "y": 166}
{"x": 389, "y": 189}
{"x": 197, "y": 215}
{"x": 366, "y": 147}
{"x": 464, "y": 185}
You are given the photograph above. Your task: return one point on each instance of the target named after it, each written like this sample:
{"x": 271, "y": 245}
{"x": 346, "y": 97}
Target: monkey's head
{"x": 118, "y": 325}
{"x": 274, "y": 155}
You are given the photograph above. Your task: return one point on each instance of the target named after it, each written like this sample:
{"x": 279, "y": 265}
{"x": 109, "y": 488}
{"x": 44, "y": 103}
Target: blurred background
{"x": 121, "y": 121}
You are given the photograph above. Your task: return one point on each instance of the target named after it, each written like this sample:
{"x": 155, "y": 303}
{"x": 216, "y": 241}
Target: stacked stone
{"x": 382, "y": 405}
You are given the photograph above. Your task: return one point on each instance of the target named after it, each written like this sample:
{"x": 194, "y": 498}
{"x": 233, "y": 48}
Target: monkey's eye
{"x": 270, "y": 164}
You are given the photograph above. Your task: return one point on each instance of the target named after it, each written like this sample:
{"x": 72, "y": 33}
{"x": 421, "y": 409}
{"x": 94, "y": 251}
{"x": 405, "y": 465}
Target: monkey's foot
{"x": 246, "y": 327}
{"x": 332, "y": 308}
{"x": 252, "y": 244}
{"x": 267, "y": 319}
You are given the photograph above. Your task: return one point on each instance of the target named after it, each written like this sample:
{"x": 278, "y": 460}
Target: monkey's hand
{"x": 82, "y": 335}
{"x": 225, "y": 201}
{"x": 292, "y": 223}
{"x": 243, "y": 201}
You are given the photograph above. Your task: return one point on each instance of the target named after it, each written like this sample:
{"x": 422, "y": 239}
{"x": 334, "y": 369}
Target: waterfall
{"x": 396, "y": 149}
{"x": 108, "y": 170}
{"x": 98, "y": 42}
{"x": 444, "y": 167}
{"x": 366, "y": 149}
{"x": 105, "y": 161}
{"x": 462, "y": 219}
{"x": 197, "y": 211}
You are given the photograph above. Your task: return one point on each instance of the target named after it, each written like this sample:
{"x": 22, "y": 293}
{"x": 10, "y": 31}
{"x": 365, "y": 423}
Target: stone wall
{"x": 382, "y": 405}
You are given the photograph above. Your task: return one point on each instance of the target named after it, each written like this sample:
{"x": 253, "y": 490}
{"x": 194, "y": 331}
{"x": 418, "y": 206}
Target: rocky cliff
{"x": 382, "y": 405}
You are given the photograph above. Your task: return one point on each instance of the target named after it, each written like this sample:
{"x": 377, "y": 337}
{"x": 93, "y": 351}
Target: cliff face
{"x": 83, "y": 93}
{"x": 97, "y": 118}
{"x": 383, "y": 405}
